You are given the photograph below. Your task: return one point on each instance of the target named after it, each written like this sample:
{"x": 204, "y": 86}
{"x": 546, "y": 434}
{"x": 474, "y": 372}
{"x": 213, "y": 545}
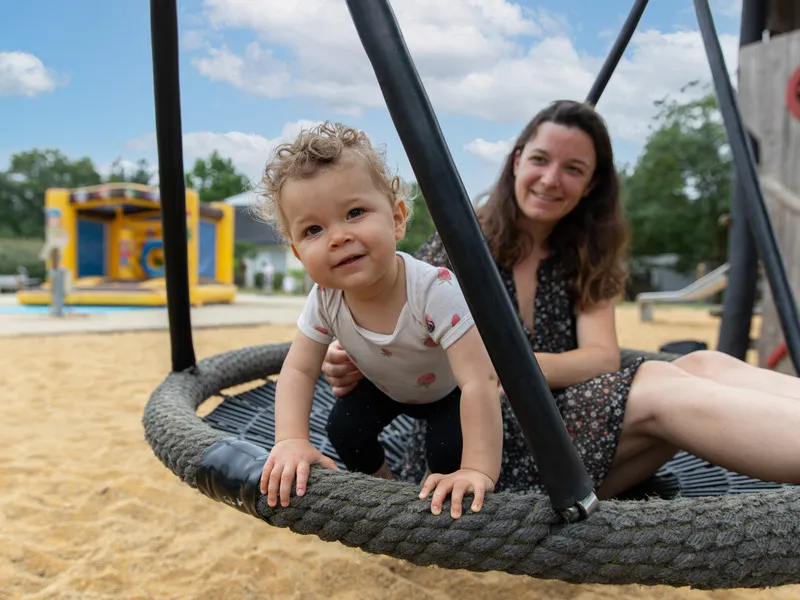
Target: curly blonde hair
{"x": 322, "y": 147}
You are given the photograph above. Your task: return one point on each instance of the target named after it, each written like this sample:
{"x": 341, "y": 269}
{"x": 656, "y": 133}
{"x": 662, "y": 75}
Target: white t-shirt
{"x": 409, "y": 365}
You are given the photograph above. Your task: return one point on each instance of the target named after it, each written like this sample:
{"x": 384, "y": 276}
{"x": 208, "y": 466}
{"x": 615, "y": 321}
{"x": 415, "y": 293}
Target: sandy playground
{"x": 87, "y": 511}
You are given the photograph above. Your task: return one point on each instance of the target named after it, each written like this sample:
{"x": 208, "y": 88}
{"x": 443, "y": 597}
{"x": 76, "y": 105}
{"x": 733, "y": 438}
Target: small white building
{"x": 664, "y": 274}
{"x": 269, "y": 248}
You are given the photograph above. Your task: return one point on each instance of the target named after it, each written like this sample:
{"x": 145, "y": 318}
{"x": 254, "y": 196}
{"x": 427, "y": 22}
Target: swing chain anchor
{"x": 582, "y": 509}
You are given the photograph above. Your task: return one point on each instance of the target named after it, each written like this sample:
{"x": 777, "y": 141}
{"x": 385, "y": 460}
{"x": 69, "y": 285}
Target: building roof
{"x": 248, "y": 228}
{"x": 244, "y": 199}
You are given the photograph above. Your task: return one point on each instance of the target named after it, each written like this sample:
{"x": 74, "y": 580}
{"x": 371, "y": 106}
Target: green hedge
{"x": 277, "y": 281}
{"x": 21, "y": 252}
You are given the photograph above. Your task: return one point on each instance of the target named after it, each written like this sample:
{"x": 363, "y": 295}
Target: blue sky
{"x": 77, "y": 75}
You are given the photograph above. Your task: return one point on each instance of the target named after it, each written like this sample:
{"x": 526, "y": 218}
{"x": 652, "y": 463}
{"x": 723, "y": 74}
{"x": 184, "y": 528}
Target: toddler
{"x": 403, "y": 322}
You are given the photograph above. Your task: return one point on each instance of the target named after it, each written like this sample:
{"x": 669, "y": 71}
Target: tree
{"x": 215, "y": 178}
{"x": 681, "y": 185}
{"x": 9, "y": 225}
{"x": 142, "y": 173}
{"x": 421, "y": 226}
{"x": 22, "y": 188}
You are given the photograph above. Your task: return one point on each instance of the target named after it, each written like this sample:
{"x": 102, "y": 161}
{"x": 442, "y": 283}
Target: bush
{"x": 277, "y": 282}
{"x": 21, "y": 252}
{"x": 238, "y": 273}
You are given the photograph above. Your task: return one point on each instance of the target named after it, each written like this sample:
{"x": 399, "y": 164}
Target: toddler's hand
{"x": 459, "y": 483}
{"x": 290, "y": 457}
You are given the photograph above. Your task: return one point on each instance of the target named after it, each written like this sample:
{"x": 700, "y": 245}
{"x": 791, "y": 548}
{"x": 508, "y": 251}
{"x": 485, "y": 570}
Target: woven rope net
{"x": 740, "y": 540}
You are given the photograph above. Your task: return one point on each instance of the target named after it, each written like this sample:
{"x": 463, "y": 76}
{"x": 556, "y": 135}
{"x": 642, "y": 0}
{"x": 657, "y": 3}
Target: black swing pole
{"x": 166, "y": 85}
{"x": 617, "y": 50}
{"x": 570, "y": 488}
{"x": 740, "y": 293}
{"x": 744, "y": 160}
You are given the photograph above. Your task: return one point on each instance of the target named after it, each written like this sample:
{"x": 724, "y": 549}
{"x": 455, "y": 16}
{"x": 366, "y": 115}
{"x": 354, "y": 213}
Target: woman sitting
{"x": 556, "y": 229}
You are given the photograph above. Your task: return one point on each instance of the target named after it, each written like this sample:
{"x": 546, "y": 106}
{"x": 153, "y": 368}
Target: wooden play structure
{"x": 769, "y": 100}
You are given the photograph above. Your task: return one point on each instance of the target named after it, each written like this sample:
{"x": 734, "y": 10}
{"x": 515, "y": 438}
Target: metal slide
{"x": 709, "y": 284}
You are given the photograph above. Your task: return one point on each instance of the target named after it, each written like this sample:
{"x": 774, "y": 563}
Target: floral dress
{"x": 592, "y": 411}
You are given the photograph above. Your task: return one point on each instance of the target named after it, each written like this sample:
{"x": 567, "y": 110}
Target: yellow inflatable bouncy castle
{"x": 108, "y": 239}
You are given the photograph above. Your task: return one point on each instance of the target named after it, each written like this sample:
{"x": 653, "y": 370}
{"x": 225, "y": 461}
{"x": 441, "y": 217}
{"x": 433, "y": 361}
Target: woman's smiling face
{"x": 553, "y": 172}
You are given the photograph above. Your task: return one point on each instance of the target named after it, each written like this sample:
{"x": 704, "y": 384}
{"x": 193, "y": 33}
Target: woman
{"x": 556, "y": 230}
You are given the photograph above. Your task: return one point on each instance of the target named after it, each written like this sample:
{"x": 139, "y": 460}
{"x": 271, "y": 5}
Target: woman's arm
{"x": 597, "y": 352}
{"x": 598, "y": 348}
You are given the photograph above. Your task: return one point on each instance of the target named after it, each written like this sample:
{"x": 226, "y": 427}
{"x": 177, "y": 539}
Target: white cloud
{"x": 728, "y": 8}
{"x": 23, "y": 74}
{"x": 491, "y": 59}
{"x": 552, "y": 22}
{"x": 449, "y": 39}
{"x": 659, "y": 66}
{"x": 492, "y": 152}
{"x": 194, "y": 39}
{"x": 249, "y": 152}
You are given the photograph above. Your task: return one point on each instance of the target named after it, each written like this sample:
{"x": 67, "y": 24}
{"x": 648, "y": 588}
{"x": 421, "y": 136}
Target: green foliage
{"x": 141, "y": 174}
{"x": 215, "y": 178}
{"x": 21, "y": 252}
{"x": 241, "y": 251}
{"x": 277, "y": 282}
{"x": 244, "y": 250}
{"x": 22, "y": 188}
{"x": 23, "y": 185}
{"x": 421, "y": 226}
{"x": 681, "y": 185}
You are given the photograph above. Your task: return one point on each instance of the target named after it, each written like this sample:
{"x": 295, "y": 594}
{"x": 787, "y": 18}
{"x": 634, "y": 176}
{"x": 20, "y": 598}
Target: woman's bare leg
{"x": 744, "y": 430}
{"x": 727, "y": 370}
{"x": 624, "y": 474}
{"x": 384, "y": 472}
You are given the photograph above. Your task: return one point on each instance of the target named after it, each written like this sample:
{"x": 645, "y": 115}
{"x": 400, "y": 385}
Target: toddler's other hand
{"x": 459, "y": 483}
{"x": 288, "y": 458}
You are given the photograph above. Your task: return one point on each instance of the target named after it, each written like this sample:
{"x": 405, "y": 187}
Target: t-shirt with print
{"x": 409, "y": 365}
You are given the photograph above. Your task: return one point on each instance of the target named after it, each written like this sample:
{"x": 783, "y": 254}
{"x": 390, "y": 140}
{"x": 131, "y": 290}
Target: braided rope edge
{"x": 746, "y": 540}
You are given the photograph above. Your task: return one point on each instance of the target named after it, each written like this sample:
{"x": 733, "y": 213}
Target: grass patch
{"x": 21, "y": 252}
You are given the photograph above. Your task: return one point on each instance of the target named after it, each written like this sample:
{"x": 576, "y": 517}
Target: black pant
{"x": 357, "y": 418}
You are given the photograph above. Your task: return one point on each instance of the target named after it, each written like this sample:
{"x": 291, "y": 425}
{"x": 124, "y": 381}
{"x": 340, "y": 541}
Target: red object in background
{"x": 776, "y": 356}
{"x": 793, "y": 93}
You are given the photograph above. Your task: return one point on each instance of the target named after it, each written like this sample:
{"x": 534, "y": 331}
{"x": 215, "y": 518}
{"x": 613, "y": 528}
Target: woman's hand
{"x": 341, "y": 373}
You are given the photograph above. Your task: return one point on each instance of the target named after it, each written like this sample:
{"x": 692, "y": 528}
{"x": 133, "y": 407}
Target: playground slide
{"x": 709, "y": 284}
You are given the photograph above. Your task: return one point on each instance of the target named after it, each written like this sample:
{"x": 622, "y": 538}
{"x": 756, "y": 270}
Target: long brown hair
{"x": 591, "y": 241}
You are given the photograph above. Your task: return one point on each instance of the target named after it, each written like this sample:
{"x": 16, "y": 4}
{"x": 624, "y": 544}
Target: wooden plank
{"x": 764, "y": 73}
{"x": 783, "y": 16}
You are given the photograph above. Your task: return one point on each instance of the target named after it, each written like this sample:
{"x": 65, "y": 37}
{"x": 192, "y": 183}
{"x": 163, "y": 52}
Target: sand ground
{"x": 87, "y": 511}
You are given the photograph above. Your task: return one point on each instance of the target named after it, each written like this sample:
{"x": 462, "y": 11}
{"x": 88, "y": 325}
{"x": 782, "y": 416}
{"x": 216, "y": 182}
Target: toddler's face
{"x": 343, "y": 228}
